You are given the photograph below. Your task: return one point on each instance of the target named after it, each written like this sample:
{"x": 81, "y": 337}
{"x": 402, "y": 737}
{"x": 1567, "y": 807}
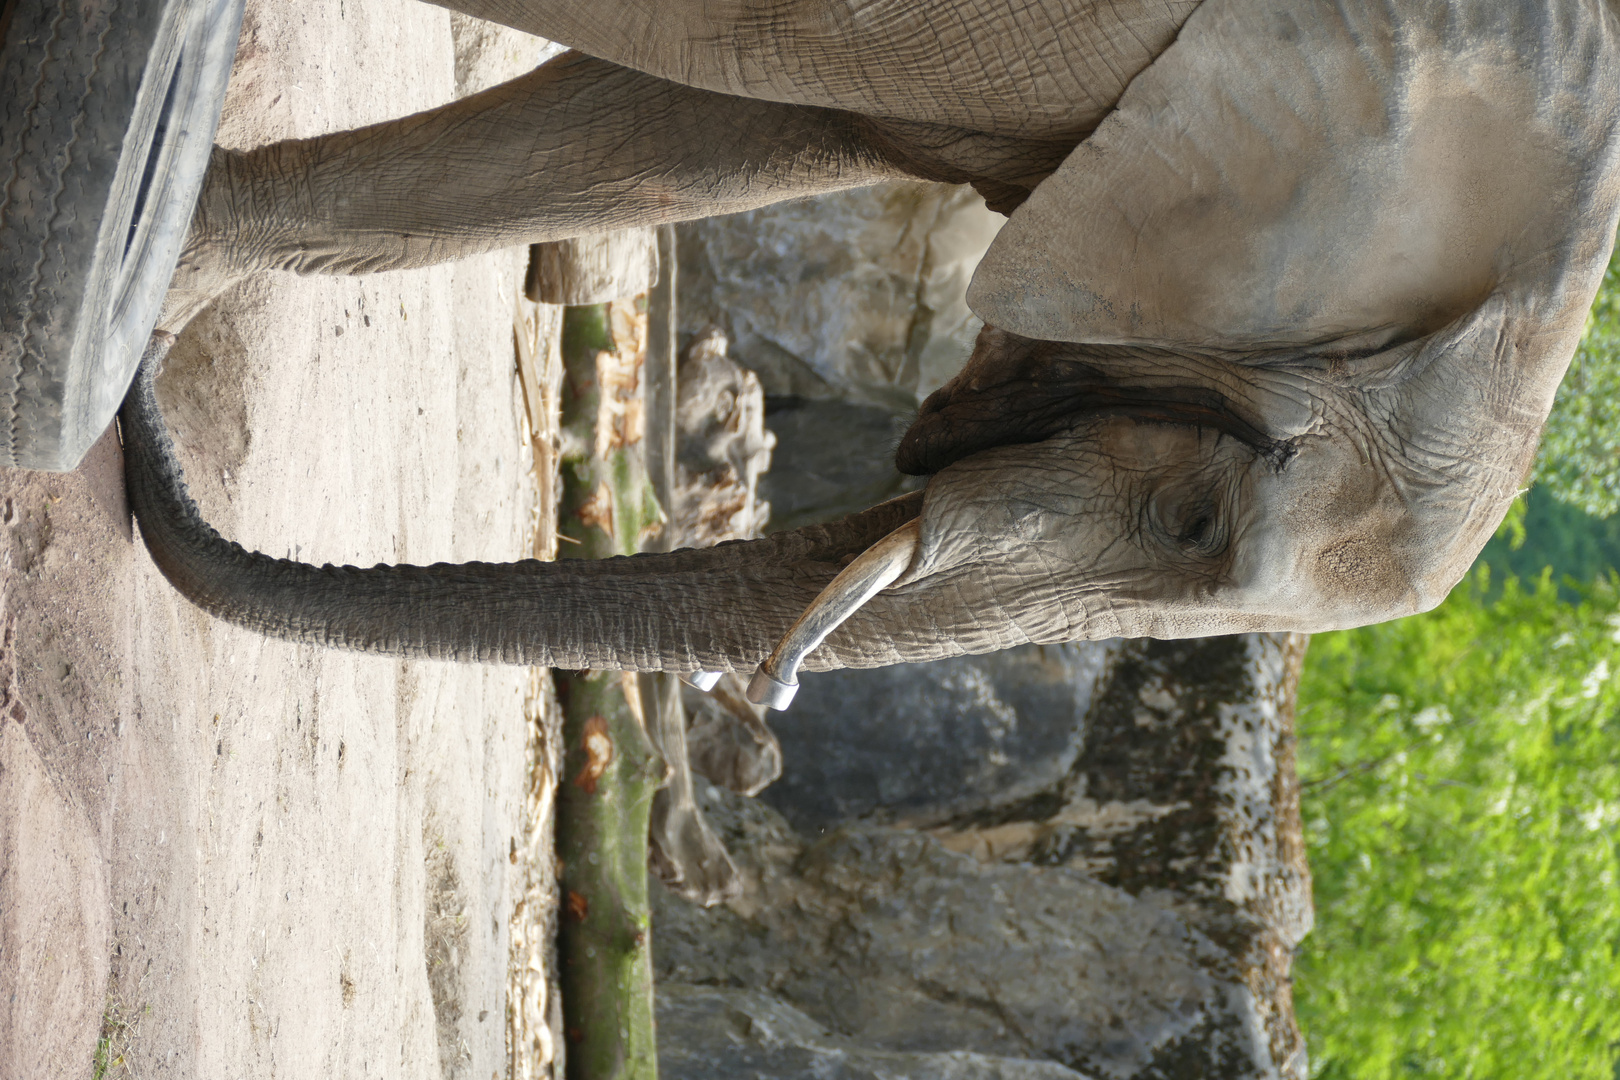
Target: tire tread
{"x": 38, "y": 298}
{"x": 84, "y": 86}
{"x": 45, "y": 132}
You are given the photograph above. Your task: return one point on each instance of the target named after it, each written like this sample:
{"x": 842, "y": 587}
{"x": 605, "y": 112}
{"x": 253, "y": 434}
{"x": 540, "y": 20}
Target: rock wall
{"x": 855, "y": 296}
{"x": 931, "y": 742}
{"x": 851, "y": 308}
{"x": 1126, "y": 910}
{"x": 721, "y": 1033}
{"x": 1072, "y": 861}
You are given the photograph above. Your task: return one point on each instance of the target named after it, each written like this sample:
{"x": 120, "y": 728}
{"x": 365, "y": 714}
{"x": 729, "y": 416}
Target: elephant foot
{"x": 685, "y": 854}
{"x": 215, "y": 255}
{"x": 199, "y": 279}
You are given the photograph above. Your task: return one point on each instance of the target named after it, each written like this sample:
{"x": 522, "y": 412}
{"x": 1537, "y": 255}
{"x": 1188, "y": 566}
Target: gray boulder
{"x": 921, "y": 743}
{"x": 859, "y": 295}
{"x": 1132, "y": 915}
{"x": 833, "y": 458}
{"x": 716, "y": 1033}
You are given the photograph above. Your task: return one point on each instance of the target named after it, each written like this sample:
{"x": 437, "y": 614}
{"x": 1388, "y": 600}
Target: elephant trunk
{"x": 717, "y": 609}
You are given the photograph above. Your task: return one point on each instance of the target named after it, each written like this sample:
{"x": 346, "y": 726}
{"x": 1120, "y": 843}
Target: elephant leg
{"x": 1037, "y": 69}
{"x": 577, "y": 146}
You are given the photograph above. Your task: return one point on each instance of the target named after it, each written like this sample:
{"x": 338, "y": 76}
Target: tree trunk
{"x": 610, "y": 768}
{"x": 593, "y": 269}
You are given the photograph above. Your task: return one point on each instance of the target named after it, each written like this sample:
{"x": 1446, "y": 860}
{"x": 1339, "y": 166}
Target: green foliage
{"x": 1542, "y": 532}
{"x": 1579, "y": 461}
{"x": 1461, "y": 775}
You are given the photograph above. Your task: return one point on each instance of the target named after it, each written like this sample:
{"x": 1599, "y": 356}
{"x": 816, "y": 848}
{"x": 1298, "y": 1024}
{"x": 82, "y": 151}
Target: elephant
{"x": 1282, "y": 300}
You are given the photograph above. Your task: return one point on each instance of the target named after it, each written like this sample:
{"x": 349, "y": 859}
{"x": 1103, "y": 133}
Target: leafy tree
{"x": 1558, "y": 535}
{"x": 1579, "y": 461}
{"x": 1461, "y": 775}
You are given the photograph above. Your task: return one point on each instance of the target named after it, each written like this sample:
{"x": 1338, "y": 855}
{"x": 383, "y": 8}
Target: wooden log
{"x": 595, "y": 269}
{"x": 536, "y": 1047}
{"x": 661, "y": 691}
{"x": 610, "y": 767}
{"x": 660, "y": 380}
{"x": 686, "y": 855}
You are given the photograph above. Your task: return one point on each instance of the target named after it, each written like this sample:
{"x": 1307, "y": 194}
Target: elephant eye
{"x": 1202, "y": 533}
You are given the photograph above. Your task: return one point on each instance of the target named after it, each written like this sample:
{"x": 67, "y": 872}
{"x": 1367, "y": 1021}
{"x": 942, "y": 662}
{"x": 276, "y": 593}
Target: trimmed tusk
{"x": 878, "y": 567}
{"x": 703, "y": 680}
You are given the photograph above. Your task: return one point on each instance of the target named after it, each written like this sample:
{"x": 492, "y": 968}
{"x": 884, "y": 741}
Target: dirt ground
{"x": 224, "y": 856}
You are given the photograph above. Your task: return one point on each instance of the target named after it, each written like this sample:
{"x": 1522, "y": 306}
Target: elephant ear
{"x": 1338, "y": 174}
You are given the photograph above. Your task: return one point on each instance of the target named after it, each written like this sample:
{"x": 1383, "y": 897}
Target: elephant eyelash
{"x": 1203, "y": 535}
{"x": 1197, "y": 527}
{"x": 1194, "y": 526}
{"x": 1278, "y": 452}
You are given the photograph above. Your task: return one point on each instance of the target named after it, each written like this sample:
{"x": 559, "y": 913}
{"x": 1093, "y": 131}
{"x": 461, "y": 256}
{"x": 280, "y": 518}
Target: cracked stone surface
{"x": 923, "y": 742}
{"x": 877, "y": 279}
{"x": 1128, "y": 913}
{"x": 850, "y": 308}
{"x": 716, "y": 1033}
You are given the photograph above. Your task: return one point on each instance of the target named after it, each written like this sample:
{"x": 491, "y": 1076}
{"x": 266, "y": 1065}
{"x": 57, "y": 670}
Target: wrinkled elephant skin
{"x": 1280, "y": 309}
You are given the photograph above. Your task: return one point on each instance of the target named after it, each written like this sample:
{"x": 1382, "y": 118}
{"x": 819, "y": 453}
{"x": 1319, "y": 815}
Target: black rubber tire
{"x": 107, "y": 115}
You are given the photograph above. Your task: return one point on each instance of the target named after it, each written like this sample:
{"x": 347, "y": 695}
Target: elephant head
{"x": 1269, "y": 351}
{"x": 1273, "y": 347}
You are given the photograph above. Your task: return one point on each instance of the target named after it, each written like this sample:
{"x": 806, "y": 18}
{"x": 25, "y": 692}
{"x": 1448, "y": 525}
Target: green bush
{"x": 1579, "y": 461}
{"x": 1461, "y": 774}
